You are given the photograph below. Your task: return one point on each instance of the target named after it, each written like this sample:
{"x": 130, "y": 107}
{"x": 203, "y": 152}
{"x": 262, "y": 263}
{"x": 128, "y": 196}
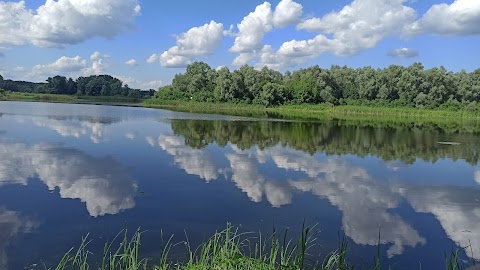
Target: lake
{"x": 71, "y": 170}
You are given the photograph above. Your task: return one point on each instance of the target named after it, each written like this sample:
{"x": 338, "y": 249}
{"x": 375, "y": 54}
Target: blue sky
{"x": 85, "y": 37}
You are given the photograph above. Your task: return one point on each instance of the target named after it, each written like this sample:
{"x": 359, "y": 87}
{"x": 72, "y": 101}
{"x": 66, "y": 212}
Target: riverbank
{"x": 320, "y": 111}
{"x": 305, "y": 112}
{"x": 54, "y": 98}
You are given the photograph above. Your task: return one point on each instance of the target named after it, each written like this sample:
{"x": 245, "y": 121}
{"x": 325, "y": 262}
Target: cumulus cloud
{"x": 286, "y": 13}
{"x": 64, "y": 64}
{"x": 63, "y": 22}
{"x": 194, "y": 161}
{"x": 98, "y": 64}
{"x": 252, "y": 29}
{"x": 198, "y": 41}
{"x": 462, "y": 17}
{"x": 132, "y": 62}
{"x": 403, "y": 53}
{"x": 104, "y": 185}
{"x": 254, "y": 26}
{"x": 358, "y": 26}
{"x": 153, "y": 58}
{"x": 11, "y": 224}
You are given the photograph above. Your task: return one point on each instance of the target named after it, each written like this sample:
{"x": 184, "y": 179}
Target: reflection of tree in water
{"x": 11, "y": 224}
{"x": 405, "y": 142}
{"x": 367, "y": 204}
{"x": 104, "y": 185}
{"x": 85, "y": 118}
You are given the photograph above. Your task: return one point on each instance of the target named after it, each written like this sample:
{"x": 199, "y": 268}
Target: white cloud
{"x": 286, "y": 13}
{"x": 62, "y": 22}
{"x": 98, "y": 64}
{"x": 132, "y": 62}
{"x": 362, "y": 24}
{"x": 104, "y": 185}
{"x": 137, "y": 84}
{"x": 63, "y": 65}
{"x": 153, "y": 58}
{"x": 462, "y": 17}
{"x": 198, "y": 41}
{"x": 67, "y": 66}
{"x": 263, "y": 20}
{"x": 244, "y": 58}
{"x": 403, "y": 53}
{"x": 252, "y": 29}
{"x": 358, "y": 26}
{"x": 15, "y": 22}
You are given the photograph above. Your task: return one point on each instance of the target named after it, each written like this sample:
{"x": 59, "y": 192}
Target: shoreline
{"x": 305, "y": 112}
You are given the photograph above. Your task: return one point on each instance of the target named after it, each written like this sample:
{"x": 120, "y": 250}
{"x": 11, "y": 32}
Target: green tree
{"x": 272, "y": 94}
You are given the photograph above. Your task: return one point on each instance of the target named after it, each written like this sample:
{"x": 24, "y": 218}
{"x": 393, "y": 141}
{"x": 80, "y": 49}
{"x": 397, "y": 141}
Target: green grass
{"x": 316, "y": 112}
{"x": 227, "y": 249}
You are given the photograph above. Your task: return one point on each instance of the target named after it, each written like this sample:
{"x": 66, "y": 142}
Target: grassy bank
{"x": 54, "y": 98}
{"x": 229, "y": 249}
{"x": 316, "y": 112}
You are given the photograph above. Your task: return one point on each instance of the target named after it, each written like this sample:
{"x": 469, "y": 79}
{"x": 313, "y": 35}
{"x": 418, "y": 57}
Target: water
{"x": 69, "y": 170}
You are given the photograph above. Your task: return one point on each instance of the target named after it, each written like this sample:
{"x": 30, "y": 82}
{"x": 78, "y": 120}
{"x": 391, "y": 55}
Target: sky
{"x": 146, "y": 42}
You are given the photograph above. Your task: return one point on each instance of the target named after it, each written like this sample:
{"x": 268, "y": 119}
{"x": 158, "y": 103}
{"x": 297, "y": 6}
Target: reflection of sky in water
{"x": 104, "y": 185}
{"x": 11, "y": 223}
{"x": 103, "y": 156}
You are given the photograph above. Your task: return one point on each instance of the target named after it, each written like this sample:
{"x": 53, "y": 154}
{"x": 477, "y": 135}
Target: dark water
{"x": 69, "y": 170}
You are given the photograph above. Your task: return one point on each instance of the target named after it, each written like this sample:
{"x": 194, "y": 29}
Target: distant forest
{"x": 98, "y": 85}
{"x": 412, "y": 86}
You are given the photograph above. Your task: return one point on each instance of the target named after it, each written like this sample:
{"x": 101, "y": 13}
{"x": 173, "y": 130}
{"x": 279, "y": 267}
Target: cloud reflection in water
{"x": 104, "y": 185}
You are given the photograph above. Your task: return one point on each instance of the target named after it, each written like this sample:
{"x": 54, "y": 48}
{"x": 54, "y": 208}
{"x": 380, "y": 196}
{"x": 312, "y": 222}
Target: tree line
{"x": 97, "y": 85}
{"x": 412, "y": 86}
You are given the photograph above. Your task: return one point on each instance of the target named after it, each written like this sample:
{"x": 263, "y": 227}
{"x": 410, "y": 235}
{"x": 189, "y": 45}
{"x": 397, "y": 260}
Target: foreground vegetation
{"x": 228, "y": 249}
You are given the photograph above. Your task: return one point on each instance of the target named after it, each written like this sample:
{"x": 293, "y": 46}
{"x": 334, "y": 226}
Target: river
{"x": 71, "y": 170}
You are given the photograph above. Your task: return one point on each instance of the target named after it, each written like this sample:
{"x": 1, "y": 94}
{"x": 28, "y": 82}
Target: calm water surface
{"x": 69, "y": 170}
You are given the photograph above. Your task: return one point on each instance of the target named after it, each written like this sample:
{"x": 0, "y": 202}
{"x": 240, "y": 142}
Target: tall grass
{"x": 226, "y": 249}
{"x": 315, "y": 111}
